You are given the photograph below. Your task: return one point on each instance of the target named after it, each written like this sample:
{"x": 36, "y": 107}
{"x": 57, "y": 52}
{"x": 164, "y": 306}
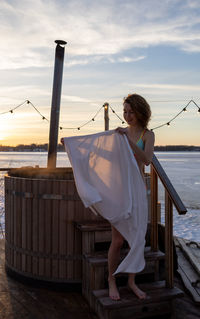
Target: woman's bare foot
{"x": 137, "y": 291}
{"x": 113, "y": 291}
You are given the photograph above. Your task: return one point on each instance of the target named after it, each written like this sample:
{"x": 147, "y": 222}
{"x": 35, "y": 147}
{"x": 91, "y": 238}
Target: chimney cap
{"x": 60, "y": 42}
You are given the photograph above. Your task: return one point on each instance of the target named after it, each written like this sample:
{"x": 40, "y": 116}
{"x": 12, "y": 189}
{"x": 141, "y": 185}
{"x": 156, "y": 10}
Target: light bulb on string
{"x": 106, "y": 107}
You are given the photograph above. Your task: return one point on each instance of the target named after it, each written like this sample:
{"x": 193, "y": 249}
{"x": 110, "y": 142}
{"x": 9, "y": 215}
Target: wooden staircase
{"x": 95, "y": 274}
{"x": 96, "y": 237}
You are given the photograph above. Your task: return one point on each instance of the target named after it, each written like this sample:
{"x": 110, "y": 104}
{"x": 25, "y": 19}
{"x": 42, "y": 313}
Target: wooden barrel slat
{"x": 24, "y": 228}
{"x": 41, "y": 226}
{"x": 55, "y": 228}
{"x": 77, "y": 251}
{"x": 15, "y": 227}
{"x": 18, "y": 234}
{"x": 35, "y": 228}
{"x": 12, "y": 223}
{"x": 48, "y": 234}
{"x": 62, "y": 231}
{"x": 70, "y": 228}
{"x": 8, "y": 218}
{"x": 29, "y": 226}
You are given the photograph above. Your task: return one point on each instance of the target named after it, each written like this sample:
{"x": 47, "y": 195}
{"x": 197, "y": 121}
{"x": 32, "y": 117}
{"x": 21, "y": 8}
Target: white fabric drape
{"x": 108, "y": 180}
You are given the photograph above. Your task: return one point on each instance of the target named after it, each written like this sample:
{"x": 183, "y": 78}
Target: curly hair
{"x": 140, "y": 107}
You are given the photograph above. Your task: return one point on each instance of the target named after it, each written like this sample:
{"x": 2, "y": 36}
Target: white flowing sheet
{"x": 109, "y": 181}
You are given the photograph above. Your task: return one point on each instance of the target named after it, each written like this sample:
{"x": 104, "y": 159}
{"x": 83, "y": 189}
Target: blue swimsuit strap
{"x": 140, "y": 142}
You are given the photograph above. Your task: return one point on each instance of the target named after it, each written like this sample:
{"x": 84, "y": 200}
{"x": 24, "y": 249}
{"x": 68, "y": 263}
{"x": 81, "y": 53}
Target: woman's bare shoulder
{"x": 149, "y": 134}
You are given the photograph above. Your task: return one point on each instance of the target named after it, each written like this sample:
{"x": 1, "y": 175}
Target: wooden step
{"x": 97, "y": 235}
{"x": 93, "y": 225}
{"x": 100, "y": 258}
{"x": 95, "y": 270}
{"x": 93, "y": 233}
{"x": 159, "y": 301}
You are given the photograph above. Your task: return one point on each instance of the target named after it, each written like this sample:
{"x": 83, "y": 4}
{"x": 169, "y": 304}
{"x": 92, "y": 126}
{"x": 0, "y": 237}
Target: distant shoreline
{"x": 44, "y": 148}
{"x": 177, "y": 148}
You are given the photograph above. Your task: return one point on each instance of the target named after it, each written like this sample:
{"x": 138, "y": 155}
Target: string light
{"x": 11, "y": 111}
{"x": 196, "y": 106}
{"x": 105, "y": 106}
{"x": 79, "y": 127}
{"x": 21, "y": 104}
{"x": 183, "y": 110}
{"x": 42, "y": 116}
{"x": 117, "y": 115}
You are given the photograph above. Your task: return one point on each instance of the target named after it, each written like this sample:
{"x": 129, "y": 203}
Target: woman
{"x": 137, "y": 114}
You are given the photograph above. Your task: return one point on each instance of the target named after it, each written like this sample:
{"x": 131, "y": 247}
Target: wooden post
{"x": 55, "y": 105}
{"x": 106, "y": 117}
{"x": 169, "y": 241}
{"x": 154, "y": 210}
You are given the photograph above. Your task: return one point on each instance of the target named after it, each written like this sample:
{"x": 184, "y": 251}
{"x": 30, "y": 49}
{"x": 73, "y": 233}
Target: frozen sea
{"x": 182, "y": 168}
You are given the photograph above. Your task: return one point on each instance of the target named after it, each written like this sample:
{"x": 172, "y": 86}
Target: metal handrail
{"x": 168, "y": 186}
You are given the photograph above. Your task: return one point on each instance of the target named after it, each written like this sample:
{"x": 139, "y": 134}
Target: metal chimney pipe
{"x": 55, "y": 104}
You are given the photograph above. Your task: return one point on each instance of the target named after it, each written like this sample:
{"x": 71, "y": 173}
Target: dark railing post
{"x": 169, "y": 241}
{"x": 106, "y": 116}
{"x": 55, "y": 104}
{"x": 154, "y": 209}
{"x": 171, "y": 198}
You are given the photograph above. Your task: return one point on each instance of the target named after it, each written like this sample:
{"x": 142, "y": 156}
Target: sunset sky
{"x": 114, "y": 47}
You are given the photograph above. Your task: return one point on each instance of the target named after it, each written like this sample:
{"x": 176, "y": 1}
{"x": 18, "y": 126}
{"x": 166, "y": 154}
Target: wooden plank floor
{"x": 189, "y": 266}
{"x": 19, "y": 301}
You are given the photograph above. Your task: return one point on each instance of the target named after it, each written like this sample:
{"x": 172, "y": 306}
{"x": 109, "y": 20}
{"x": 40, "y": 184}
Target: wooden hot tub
{"x": 41, "y": 206}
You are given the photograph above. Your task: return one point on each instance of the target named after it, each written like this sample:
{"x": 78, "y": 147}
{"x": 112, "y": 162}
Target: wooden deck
{"x": 18, "y": 301}
{"x": 189, "y": 265}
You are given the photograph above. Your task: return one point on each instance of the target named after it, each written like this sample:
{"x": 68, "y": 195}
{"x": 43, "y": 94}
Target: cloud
{"x": 103, "y": 59}
{"x": 95, "y": 30}
{"x": 126, "y": 59}
{"x": 72, "y": 98}
{"x": 181, "y": 87}
{"x": 194, "y": 4}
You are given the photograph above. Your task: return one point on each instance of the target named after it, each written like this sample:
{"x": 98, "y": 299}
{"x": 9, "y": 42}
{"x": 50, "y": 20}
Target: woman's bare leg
{"x": 138, "y": 292}
{"x": 113, "y": 261}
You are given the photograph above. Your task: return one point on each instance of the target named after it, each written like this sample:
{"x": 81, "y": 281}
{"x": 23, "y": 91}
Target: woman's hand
{"x": 62, "y": 141}
{"x": 121, "y": 130}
